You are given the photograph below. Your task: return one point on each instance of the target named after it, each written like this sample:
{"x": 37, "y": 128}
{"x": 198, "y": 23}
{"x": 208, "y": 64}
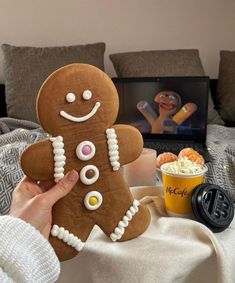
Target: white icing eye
{"x": 70, "y": 97}
{"x": 87, "y": 94}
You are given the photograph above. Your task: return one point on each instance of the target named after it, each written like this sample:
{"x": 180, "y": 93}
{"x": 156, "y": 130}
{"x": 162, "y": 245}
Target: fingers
{"x": 28, "y": 188}
{"x": 61, "y": 189}
{"x": 46, "y": 185}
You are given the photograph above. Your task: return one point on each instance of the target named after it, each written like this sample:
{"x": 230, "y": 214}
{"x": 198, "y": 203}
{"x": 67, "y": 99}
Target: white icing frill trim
{"x": 67, "y": 237}
{"x": 120, "y": 229}
{"x": 59, "y": 157}
{"x": 113, "y": 149}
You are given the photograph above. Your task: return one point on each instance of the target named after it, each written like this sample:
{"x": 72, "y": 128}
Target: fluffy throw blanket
{"x": 221, "y": 169}
{"x": 15, "y": 136}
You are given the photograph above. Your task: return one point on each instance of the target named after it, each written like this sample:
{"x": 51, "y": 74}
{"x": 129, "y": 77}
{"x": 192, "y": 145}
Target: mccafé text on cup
{"x": 179, "y": 180}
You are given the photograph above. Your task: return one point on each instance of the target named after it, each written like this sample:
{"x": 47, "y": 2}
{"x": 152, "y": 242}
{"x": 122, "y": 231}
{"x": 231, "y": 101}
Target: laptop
{"x": 170, "y": 112}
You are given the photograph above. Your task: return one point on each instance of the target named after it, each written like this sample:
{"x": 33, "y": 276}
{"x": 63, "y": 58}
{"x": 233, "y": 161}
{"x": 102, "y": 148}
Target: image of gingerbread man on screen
{"x": 78, "y": 105}
{"x": 170, "y": 116}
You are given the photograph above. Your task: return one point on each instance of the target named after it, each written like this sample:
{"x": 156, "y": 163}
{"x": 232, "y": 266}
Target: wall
{"x": 208, "y": 25}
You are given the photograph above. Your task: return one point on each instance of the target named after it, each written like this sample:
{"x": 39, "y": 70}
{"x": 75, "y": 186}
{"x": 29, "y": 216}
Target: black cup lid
{"x": 212, "y": 206}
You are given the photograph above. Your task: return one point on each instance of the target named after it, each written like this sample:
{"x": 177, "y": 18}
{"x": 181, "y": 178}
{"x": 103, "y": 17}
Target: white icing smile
{"x": 83, "y": 118}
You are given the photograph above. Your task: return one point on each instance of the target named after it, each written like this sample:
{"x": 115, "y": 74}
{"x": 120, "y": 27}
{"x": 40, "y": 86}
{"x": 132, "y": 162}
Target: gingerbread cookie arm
{"x": 130, "y": 143}
{"x": 37, "y": 161}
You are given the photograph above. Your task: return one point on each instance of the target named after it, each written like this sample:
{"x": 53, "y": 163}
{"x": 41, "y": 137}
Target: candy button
{"x": 85, "y": 150}
{"x": 93, "y": 200}
{"x": 89, "y": 174}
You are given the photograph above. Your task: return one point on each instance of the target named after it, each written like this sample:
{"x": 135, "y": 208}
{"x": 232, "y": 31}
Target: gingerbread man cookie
{"x": 78, "y": 105}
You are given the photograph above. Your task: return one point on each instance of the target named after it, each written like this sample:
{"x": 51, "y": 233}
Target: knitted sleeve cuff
{"x": 25, "y": 255}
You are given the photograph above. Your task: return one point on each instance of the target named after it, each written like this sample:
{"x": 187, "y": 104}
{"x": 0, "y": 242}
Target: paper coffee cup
{"x": 178, "y": 190}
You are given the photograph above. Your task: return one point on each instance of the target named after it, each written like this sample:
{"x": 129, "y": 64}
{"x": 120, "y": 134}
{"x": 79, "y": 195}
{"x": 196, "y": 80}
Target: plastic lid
{"x": 212, "y": 206}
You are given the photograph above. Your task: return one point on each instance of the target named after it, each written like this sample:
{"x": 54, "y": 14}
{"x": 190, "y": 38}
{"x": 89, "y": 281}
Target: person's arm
{"x": 25, "y": 255}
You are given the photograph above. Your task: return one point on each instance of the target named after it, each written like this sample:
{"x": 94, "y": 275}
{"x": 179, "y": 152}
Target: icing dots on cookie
{"x": 93, "y": 200}
{"x": 87, "y": 94}
{"x": 85, "y": 150}
{"x": 89, "y": 174}
{"x": 70, "y": 97}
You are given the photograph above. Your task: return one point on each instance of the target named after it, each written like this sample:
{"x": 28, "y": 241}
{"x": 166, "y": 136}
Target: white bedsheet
{"x": 171, "y": 250}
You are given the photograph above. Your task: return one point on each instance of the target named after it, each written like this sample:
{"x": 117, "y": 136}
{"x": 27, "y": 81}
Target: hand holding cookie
{"x": 33, "y": 202}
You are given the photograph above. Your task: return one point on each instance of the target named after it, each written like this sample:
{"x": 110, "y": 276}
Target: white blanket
{"x": 172, "y": 250}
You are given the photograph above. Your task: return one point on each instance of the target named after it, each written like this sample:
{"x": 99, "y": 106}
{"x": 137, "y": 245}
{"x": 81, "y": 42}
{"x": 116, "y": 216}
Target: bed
{"x": 18, "y": 131}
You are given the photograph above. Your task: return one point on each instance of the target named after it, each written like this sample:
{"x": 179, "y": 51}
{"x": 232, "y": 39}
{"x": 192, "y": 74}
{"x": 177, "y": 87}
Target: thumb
{"x": 62, "y": 188}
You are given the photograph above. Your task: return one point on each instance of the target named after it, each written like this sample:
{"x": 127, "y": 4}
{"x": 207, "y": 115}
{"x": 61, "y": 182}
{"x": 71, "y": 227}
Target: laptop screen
{"x": 165, "y": 107}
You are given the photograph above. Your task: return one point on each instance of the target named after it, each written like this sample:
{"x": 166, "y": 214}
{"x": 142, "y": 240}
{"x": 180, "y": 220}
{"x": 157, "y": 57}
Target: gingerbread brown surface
{"x": 78, "y": 105}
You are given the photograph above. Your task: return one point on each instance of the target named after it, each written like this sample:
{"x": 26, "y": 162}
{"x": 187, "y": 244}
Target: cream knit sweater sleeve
{"x": 25, "y": 255}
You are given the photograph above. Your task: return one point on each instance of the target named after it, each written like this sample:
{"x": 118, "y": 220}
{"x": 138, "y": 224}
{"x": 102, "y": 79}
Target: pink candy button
{"x": 86, "y": 150}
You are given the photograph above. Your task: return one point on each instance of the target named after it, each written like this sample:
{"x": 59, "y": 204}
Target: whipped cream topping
{"x": 113, "y": 149}
{"x": 67, "y": 237}
{"x": 120, "y": 229}
{"x": 59, "y": 157}
{"x": 183, "y": 166}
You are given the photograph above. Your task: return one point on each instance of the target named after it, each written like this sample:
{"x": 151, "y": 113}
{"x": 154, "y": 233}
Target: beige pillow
{"x": 26, "y": 68}
{"x": 163, "y": 63}
{"x": 225, "y": 93}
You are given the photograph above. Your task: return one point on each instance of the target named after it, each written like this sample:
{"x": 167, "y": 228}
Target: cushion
{"x": 225, "y": 93}
{"x": 26, "y": 68}
{"x": 163, "y": 63}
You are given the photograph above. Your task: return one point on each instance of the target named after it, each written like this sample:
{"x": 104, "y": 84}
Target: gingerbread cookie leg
{"x": 68, "y": 244}
{"x": 127, "y": 218}
{"x": 133, "y": 223}
{"x": 70, "y": 227}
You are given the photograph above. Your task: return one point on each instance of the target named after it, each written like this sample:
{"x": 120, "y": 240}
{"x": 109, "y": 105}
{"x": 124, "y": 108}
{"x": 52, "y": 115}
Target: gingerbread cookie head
{"x": 74, "y": 96}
